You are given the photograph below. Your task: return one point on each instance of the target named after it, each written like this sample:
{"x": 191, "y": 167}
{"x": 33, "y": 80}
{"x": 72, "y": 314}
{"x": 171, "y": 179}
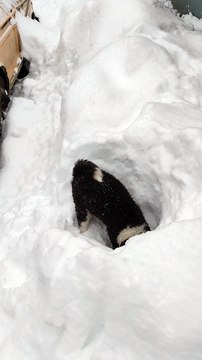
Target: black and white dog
{"x": 95, "y": 192}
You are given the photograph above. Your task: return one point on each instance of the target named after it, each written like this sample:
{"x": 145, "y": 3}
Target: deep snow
{"x": 119, "y": 83}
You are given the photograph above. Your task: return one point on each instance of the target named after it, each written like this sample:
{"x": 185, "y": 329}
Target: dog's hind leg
{"x": 83, "y": 218}
{"x": 85, "y": 223}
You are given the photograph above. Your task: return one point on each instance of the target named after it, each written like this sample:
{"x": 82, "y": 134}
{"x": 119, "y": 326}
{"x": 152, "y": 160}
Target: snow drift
{"x": 118, "y": 83}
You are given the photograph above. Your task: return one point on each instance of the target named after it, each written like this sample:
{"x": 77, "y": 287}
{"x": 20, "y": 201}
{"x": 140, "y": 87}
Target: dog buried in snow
{"x": 96, "y": 192}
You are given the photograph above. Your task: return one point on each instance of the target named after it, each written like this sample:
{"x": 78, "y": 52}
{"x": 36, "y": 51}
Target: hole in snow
{"x": 141, "y": 183}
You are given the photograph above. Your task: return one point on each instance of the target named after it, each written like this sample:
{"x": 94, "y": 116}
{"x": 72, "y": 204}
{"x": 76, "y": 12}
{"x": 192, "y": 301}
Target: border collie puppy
{"x": 95, "y": 192}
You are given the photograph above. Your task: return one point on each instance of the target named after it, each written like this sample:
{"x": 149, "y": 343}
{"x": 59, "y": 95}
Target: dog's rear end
{"x": 95, "y": 192}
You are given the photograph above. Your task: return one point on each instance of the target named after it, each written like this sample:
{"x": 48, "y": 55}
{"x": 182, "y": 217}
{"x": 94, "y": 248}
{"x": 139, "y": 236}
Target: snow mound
{"x": 118, "y": 83}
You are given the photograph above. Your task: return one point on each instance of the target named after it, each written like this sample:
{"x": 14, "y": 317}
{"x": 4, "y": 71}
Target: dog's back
{"x": 103, "y": 196}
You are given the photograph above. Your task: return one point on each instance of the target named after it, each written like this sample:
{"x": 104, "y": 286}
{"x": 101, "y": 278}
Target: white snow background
{"x": 119, "y": 83}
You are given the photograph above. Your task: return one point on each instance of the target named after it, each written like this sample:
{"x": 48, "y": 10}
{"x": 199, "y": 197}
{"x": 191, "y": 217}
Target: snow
{"x": 193, "y": 21}
{"x": 118, "y": 83}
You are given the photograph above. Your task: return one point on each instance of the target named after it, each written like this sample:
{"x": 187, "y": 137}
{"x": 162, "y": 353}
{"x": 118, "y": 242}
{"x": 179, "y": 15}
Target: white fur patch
{"x": 128, "y": 232}
{"x": 98, "y": 175}
{"x": 84, "y": 224}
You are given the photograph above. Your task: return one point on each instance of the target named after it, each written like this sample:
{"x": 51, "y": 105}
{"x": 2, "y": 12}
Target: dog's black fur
{"x": 95, "y": 192}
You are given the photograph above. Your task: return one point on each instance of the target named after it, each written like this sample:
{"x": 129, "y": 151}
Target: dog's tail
{"x": 83, "y": 168}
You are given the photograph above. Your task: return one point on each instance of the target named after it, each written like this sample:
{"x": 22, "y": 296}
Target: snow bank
{"x": 120, "y": 84}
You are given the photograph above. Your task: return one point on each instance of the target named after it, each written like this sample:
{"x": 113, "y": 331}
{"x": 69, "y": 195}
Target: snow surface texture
{"x": 120, "y": 83}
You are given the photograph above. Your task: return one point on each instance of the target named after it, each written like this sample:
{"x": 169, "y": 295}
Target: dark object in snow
{"x": 4, "y": 97}
{"x": 4, "y": 101}
{"x": 34, "y": 17}
{"x": 4, "y": 80}
{"x": 96, "y": 192}
{"x": 24, "y": 70}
